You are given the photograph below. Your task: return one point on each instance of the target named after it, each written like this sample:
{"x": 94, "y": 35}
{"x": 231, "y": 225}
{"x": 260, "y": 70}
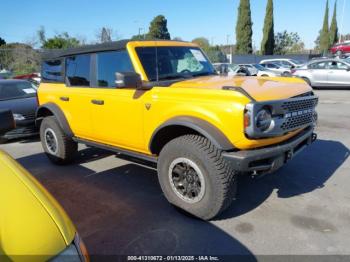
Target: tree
{"x": 202, "y": 42}
{"x": 158, "y": 29}
{"x": 2, "y": 42}
{"x": 333, "y": 33}
{"x": 288, "y": 43}
{"x": 104, "y": 34}
{"x": 268, "y": 42}
{"x": 214, "y": 53}
{"x": 324, "y": 37}
{"x": 19, "y": 58}
{"x": 244, "y": 30}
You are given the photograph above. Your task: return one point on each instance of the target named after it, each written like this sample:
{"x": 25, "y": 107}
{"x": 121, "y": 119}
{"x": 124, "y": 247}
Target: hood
{"x": 261, "y": 89}
{"x": 22, "y": 106}
{"x": 31, "y": 221}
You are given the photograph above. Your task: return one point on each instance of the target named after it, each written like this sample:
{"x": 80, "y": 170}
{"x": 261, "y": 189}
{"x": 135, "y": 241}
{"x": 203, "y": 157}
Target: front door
{"x": 338, "y": 74}
{"x": 117, "y": 113}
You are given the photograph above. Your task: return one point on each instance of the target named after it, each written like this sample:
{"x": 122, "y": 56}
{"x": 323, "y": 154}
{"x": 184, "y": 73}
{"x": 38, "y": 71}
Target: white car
{"x": 231, "y": 69}
{"x": 284, "y": 62}
{"x": 278, "y": 69}
{"x": 258, "y": 70}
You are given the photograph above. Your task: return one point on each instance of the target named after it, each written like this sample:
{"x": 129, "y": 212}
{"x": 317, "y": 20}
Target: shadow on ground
{"x": 123, "y": 211}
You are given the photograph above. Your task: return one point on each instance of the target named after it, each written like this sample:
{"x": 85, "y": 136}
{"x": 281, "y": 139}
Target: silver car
{"x": 325, "y": 73}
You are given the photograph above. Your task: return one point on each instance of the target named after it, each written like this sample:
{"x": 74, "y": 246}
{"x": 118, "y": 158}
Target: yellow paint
{"x": 126, "y": 122}
{"x": 33, "y": 226}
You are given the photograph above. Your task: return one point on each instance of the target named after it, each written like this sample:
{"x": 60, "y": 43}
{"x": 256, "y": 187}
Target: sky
{"x": 188, "y": 19}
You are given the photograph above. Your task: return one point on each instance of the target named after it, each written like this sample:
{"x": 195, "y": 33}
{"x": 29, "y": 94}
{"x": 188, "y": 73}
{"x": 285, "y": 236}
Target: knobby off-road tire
{"x": 59, "y": 148}
{"x": 214, "y": 174}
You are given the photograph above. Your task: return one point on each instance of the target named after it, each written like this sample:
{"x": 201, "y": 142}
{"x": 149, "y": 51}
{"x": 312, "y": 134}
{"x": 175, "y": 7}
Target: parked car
{"x": 258, "y": 70}
{"x": 341, "y": 48}
{"x": 163, "y": 102}
{"x": 284, "y": 62}
{"x": 325, "y": 73}
{"x": 33, "y": 226}
{"x": 231, "y": 69}
{"x": 278, "y": 69}
{"x": 20, "y": 97}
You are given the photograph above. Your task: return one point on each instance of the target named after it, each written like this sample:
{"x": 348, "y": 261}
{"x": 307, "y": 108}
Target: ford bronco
{"x": 163, "y": 102}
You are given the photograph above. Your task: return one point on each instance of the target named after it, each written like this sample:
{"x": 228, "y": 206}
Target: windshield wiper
{"x": 171, "y": 77}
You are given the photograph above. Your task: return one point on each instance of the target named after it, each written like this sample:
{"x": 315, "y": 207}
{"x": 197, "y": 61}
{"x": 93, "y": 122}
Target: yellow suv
{"x": 163, "y": 102}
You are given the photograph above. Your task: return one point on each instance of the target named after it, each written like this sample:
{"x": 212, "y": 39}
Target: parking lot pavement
{"x": 118, "y": 206}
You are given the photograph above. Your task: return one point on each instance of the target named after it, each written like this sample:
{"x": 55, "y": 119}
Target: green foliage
{"x": 244, "y": 30}
{"x": 59, "y": 41}
{"x": 158, "y": 28}
{"x": 324, "y": 37}
{"x": 333, "y": 33}
{"x": 214, "y": 53}
{"x": 2, "y": 42}
{"x": 202, "y": 42}
{"x": 138, "y": 37}
{"x": 268, "y": 42}
{"x": 19, "y": 58}
{"x": 286, "y": 43}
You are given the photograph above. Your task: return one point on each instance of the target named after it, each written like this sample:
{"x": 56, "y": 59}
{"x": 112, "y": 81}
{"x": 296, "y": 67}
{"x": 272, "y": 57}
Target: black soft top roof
{"x": 110, "y": 46}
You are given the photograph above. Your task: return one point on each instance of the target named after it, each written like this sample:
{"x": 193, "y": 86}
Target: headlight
{"x": 263, "y": 119}
{"x": 18, "y": 117}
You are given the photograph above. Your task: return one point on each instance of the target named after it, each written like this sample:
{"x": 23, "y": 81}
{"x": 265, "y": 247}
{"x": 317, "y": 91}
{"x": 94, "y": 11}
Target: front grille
{"x": 299, "y": 113}
{"x": 293, "y": 106}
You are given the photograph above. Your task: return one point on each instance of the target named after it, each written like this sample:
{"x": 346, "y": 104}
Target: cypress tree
{"x": 244, "y": 30}
{"x": 324, "y": 38}
{"x": 268, "y": 42}
{"x": 158, "y": 28}
{"x": 333, "y": 34}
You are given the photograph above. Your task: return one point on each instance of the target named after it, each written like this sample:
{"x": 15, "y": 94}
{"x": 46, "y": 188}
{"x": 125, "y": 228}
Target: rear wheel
{"x": 59, "y": 148}
{"x": 195, "y": 177}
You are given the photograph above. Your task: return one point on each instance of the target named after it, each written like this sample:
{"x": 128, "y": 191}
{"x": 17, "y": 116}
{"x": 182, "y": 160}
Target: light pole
{"x": 228, "y": 44}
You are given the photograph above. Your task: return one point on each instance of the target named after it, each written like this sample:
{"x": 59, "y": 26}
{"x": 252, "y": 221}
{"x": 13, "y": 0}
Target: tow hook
{"x": 313, "y": 137}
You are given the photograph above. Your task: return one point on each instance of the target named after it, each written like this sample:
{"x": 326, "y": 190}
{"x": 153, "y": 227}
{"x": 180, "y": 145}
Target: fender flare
{"x": 201, "y": 126}
{"x": 57, "y": 113}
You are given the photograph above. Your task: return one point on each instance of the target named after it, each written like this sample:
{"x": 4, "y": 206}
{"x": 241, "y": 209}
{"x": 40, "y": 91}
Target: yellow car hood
{"x": 31, "y": 221}
{"x": 260, "y": 88}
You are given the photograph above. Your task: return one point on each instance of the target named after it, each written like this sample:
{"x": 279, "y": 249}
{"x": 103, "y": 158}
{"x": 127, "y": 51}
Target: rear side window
{"x": 78, "y": 70}
{"x": 109, "y": 63}
{"x": 321, "y": 65}
{"x": 51, "y": 71}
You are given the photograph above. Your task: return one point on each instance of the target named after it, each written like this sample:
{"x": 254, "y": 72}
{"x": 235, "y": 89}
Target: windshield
{"x": 260, "y": 67}
{"x": 16, "y": 90}
{"x": 174, "y": 62}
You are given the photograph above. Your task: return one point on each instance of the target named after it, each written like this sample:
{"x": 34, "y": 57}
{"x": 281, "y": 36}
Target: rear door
{"x": 338, "y": 74}
{"x": 75, "y": 99}
{"x": 319, "y": 73}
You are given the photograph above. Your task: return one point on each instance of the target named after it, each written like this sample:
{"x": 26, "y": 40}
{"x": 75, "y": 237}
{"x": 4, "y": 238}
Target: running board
{"x": 133, "y": 154}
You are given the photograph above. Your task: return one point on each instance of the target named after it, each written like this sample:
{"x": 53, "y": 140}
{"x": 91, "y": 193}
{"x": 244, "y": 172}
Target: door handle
{"x": 98, "y": 102}
{"x": 64, "y": 98}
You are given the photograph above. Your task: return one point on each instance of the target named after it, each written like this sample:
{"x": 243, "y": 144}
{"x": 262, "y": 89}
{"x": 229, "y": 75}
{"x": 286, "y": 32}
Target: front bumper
{"x": 269, "y": 159}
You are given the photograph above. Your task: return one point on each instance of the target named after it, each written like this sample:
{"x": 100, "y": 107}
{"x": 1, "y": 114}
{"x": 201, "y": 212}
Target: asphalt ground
{"x": 118, "y": 207}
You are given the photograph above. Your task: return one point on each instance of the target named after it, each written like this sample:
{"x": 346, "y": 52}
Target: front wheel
{"x": 195, "y": 177}
{"x": 59, "y": 148}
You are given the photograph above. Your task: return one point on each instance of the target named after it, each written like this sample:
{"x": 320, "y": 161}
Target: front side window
{"x": 52, "y": 71}
{"x": 172, "y": 62}
{"x": 16, "y": 90}
{"x": 78, "y": 70}
{"x": 337, "y": 65}
{"x": 109, "y": 63}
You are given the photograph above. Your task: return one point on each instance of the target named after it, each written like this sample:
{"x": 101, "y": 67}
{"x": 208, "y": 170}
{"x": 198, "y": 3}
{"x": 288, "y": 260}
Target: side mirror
{"x": 7, "y": 123}
{"x": 128, "y": 80}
